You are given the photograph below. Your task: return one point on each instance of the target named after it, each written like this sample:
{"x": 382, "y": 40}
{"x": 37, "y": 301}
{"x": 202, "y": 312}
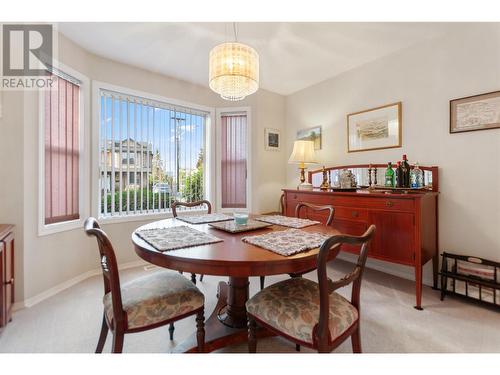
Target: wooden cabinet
{"x": 6, "y": 273}
{"x": 406, "y": 224}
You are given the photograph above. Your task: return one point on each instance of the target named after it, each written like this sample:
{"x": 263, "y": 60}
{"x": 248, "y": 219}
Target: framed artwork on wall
{"x": 375, "y": 129}
{"x": 311, "y": 134}
{"x": 272, "y": 139}
{"x": 478, "y": 112}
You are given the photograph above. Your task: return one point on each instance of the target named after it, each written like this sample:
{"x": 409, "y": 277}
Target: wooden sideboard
{"x": 407, "y": 224}
{"x": 6, "y": 273}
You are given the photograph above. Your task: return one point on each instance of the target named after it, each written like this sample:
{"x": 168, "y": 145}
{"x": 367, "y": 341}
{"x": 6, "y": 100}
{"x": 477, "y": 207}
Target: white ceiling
{"x": 292, "y": 55}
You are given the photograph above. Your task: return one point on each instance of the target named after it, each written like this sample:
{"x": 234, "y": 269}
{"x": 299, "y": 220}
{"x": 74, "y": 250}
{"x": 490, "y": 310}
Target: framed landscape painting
{"x": 311, "y": 134}
{"x": 375, "y": 129}
{"x": 477, "y": 112}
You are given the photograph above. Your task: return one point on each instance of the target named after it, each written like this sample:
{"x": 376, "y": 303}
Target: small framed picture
{"x": 311, "y": 134}
{"x": 272, "y": 139}
{"x": 375, "y": 129}
{"x": 478, "y": 112}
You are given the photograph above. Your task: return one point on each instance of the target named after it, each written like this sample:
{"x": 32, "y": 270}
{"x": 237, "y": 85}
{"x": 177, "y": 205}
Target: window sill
{"x": 45, "y": 230}
{"x": 145, "y": 217}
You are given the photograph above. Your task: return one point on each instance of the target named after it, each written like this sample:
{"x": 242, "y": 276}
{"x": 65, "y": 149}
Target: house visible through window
{"x": 62, "y": 151}
{"x": 151, "y": 153}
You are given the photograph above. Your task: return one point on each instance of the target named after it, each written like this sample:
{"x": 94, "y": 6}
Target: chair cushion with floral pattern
{"x": 292, "y": 307}
{"x": 156, "y": 297}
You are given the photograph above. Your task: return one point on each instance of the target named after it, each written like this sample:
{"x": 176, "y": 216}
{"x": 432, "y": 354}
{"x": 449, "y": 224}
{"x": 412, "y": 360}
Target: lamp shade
{"x": 234, "y": 70}
{"x": 303, "y": 153}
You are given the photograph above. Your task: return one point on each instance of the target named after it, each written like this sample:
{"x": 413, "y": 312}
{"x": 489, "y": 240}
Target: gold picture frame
{"x": 477, "y": 112}
{"x": 375, "y": 128}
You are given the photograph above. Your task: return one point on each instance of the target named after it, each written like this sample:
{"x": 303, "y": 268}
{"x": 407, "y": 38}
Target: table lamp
{"x": 302, "y": 154}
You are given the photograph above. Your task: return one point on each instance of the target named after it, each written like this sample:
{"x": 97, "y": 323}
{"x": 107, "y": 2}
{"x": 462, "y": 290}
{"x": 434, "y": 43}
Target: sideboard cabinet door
{"x": 394, "y": 238}
{"x": 2, "y": 288}
{"x": 8, "y": 275}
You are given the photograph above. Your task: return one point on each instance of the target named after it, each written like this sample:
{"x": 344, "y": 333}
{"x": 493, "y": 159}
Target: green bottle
{"x": 389, "y": 175}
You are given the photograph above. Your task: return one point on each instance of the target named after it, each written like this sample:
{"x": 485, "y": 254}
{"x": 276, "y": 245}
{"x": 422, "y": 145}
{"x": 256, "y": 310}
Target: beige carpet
{"x": 70, "y": 321}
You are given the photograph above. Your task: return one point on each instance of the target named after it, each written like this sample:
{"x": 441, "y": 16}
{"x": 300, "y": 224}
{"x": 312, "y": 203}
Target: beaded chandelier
{"x": 234, "y": 70}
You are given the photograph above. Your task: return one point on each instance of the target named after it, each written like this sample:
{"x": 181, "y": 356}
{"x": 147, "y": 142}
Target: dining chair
{"x": 307, "y": 206}
{"x": 191, "y": 204}
{"x": 147, "y": 302}
{"x": 312, "y": 314}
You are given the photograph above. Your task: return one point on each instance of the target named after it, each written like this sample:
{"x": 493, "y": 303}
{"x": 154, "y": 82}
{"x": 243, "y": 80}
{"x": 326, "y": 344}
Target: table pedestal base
{"x": 227, "y": 325}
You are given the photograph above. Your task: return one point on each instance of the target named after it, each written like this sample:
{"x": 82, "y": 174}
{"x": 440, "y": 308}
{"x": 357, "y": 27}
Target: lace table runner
{"x": 203, "y": 219}
{"x": 287, "y": 221}
{"x": 287, "y": 242}
{"x": 164, "y": 239}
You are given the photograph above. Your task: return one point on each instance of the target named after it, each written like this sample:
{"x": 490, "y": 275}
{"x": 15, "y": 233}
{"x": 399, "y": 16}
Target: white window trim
{"x": 96, "y": 109}
{"x": 84, "y": 159}
{"x": 218, "y": 145}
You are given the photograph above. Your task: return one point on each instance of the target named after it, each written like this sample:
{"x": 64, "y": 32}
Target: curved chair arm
{"x": 316, "y": 208}
{"x": 190, "y": 204}
{"x": 327, "y": 286}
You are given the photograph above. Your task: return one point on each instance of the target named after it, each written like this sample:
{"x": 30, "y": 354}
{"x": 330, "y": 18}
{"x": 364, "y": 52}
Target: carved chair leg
{"x": 171, "y": 329}
{"x": 297, "y": 347}
{"x": 201, "y": 277}
{"x": 200, "y": 331}
{"x": 193, "y": 278}
{"x": 262, "y": 280}
{"x": 103, "y": 335}
{"x": 356, "y": 340}
{"x": 117, "y": 341}
{"x": 252, "y": 338}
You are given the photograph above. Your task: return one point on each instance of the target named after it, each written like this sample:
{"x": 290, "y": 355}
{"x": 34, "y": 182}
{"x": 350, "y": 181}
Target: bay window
{"x": 151, "y": 153}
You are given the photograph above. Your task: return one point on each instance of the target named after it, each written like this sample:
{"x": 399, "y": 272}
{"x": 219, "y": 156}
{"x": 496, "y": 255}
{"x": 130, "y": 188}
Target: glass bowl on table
{"x": 240, "y": 217}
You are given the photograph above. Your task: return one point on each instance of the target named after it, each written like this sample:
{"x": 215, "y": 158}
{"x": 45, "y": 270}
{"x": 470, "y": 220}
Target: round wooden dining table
{"x": 235, "y": 259}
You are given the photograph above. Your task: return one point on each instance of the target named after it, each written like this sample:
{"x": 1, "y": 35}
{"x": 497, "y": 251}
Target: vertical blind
{"x": 234, "y": 160}
{"x": 62, "y": 151}
{"x": 151, "y": 154}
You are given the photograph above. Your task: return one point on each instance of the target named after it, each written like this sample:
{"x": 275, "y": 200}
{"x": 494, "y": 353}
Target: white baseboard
{"x": 405, "y": 272}
{"x": 29, "y": 302}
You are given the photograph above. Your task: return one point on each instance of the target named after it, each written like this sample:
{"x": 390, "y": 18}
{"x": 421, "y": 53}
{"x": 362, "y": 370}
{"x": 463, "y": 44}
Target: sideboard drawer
{"x": 347, "y": 213}
{"x": 390, "y": 204}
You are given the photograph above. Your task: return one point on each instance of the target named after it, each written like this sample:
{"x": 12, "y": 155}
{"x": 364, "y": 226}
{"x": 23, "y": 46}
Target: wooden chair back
{"x": 282, "y": 204}
{"x": 109, "y": 268}
{"x": 313, "y": 207}
{"x": 327, "y": 286}
{"x": 190, "y": 204}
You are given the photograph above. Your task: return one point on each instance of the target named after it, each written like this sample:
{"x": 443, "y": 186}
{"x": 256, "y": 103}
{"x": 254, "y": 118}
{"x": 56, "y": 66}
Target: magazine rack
{"x": 470, "y": 277}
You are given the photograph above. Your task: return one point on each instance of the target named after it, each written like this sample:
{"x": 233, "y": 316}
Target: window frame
{"x": 96, "y": 118}
{"x": 83, "y": 192}
{"x": 218, "y": 177}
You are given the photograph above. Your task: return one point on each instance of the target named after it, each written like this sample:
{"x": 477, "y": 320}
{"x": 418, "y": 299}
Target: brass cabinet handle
{"x": 389, "y": 203}
{"x": 10, "y": 282}
{"x": 354, "y": 213}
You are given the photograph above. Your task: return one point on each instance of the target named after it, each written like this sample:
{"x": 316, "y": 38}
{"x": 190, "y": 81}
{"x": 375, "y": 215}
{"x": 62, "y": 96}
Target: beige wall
{"x": 424, "y": 78}
{"x": 47, "y": 261}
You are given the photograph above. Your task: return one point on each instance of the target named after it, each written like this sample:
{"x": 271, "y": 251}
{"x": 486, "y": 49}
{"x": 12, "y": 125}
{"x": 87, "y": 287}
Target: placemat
{"x": 203, "y": 219}
{"x": 164, "y": 239}
{"x": 287, "y": 242}
{"x": 287, "y": 221}
{"x": 232, "y": 227}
